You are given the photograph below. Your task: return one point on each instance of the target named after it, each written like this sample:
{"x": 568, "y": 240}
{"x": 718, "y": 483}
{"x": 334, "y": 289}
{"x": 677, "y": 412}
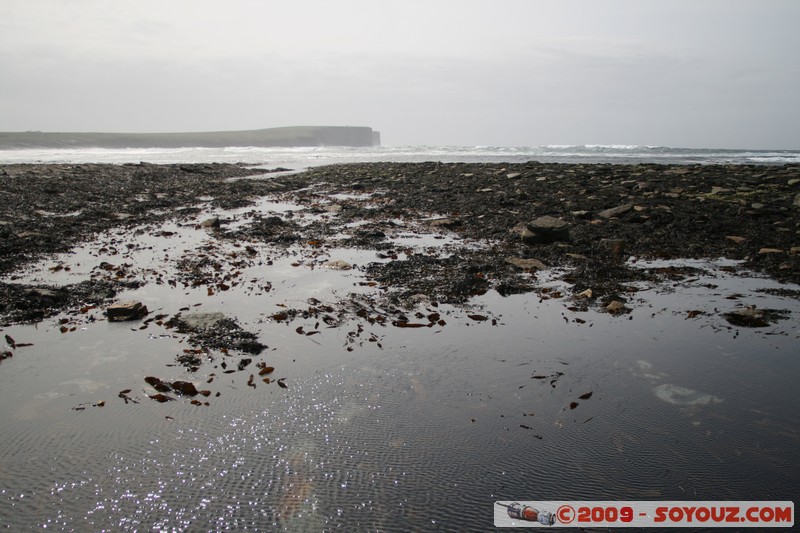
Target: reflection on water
{"x": 422, "y": 430}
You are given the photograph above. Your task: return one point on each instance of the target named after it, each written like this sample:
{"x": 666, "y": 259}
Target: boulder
{"x": 121, "y": 311}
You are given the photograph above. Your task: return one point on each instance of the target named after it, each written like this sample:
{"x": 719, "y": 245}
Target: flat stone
{"x": 45, "y": 294}
{"x": 121, "y": 311}
{"x": 526, "y": 264}
{"x": 735, "y": 238}
{"x": 615, "y": 211}
{"x": 447, "y": 223}
{"x": 545, "y": 230}
{"x": 198, "y": 321}
{"x": 513, "y": 175}
{"x": 770, "y": 251}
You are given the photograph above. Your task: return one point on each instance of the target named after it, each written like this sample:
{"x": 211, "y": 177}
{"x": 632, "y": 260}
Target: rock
{"x": 615, "y": 307}
{"x": 447, "y": 223}
{"x": 581, "y": 214}
{"x": 579, "y": 257}
{"x": 200, "y": 321}
{"x": 585, "y": 294}
{"x": 513, "y": 175}
{"x": 735, "y": 238}
{"x": 770, "y": 251}
{"x": 757, "y": 205}
{"x": 338, "y": 264}
{"x": 525, "y": 235}
{"x": 719, "y": 190}
{"x": 797, "y": 200}
{"x": 526, "y": 264}
{"x": 545, "y": 230}
{"x": 615, "y": 211}
{"x": 45, "y": 294}
{"x": 212, "y": 222}
{"x": 750, "y": 317}
{"x": 120, "y": 311}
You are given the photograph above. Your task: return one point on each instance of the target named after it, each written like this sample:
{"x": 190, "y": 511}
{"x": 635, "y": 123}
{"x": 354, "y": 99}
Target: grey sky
{"x": 687, "y": 73}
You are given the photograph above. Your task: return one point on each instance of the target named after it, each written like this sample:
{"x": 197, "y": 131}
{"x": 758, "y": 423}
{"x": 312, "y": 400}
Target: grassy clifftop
{"x": 288, "y": 136}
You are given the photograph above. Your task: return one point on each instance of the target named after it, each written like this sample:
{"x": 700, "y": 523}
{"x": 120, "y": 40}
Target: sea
{"x": 364, "y": 426}
{"x": 303, "y": 157}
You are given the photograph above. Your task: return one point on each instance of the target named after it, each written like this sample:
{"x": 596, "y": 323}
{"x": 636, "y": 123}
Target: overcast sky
{"x": 683, "y": 73}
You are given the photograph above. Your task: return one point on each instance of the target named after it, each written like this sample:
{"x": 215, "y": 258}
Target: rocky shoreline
{"x": 588, "y": 219}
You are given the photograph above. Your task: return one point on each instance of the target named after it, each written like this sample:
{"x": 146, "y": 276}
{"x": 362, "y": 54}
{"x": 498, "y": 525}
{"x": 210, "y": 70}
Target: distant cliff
{"x": 289, "y": 136}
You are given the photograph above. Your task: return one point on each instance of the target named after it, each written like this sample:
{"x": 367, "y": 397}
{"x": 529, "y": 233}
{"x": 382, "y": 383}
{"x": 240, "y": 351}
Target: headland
{"x": 279, "y": 137}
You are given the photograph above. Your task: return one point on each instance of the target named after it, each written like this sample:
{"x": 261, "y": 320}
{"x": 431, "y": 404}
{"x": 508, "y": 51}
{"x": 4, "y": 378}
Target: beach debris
{"x": 184, "y": 388}
{"x": 11, "y": 342}
{"x": 128, "y": 310}
{"x": 585, "y": 396}
{"x": 124, "y": 395}
{"x": 157, "y": 384}
{"x": 162, "y": 398}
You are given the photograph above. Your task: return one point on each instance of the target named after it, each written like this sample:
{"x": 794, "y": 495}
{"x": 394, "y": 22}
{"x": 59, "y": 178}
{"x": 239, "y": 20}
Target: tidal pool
{"x": 386, "y": 428}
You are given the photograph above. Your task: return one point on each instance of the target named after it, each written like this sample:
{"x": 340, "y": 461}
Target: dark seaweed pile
{"x": 613, "y": 212}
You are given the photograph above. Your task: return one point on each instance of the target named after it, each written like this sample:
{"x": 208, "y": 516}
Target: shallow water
{"x": 385, "y": 428}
